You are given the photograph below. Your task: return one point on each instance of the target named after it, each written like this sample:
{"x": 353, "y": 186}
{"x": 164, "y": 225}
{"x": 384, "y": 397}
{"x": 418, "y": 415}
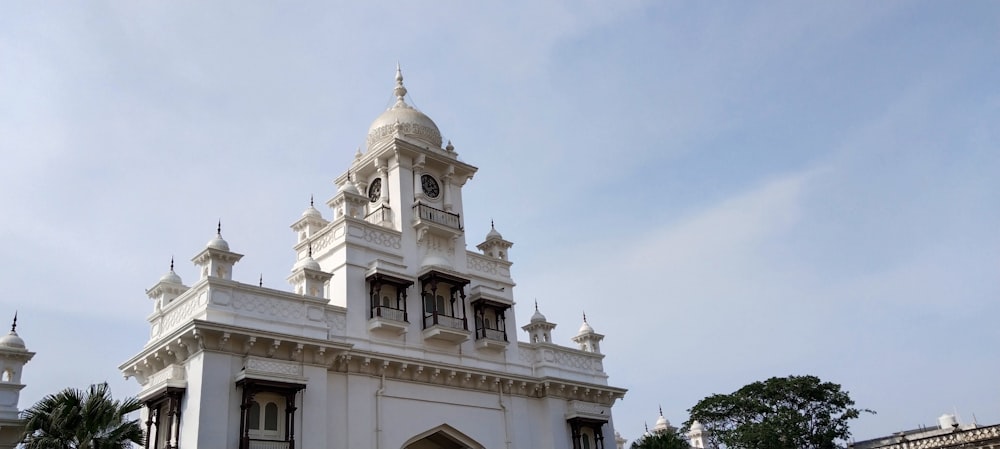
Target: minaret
{"x": 588, "y": 340}
{"x": 698, "y": 436}
{"x": 539, "y": 329}
{"x": 13, "y": 356}
{"x": 308, "y": 278}
{"x": 216, "y": 260}
{"x": 495, "y": 246}
{"x": 167, "y": 288}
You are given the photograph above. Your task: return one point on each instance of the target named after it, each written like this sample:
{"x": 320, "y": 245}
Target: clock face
{"x": 375, "y": 190}
{"x": 430, "y": 186}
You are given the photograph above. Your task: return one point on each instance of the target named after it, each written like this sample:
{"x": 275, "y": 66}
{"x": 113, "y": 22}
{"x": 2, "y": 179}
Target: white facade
{"x": 13, "y": 356}
{"x": 393, "y": 334}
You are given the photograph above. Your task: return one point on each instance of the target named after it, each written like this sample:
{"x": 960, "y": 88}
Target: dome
{"x": 309, "y": 263}
{"x": 537, "y": 317}
{"x": 218, "y": 243}
{"x": 697, "y": 426}
{"x": 171, "y": 278}
{"x": 661, "y": 423}
{"x": 493, "y": 234}
{"x": 585, "y": 328}
{"x": 311, "y": 212}
{"x": 411, "y": 122}
{"x": 12, "y": 341}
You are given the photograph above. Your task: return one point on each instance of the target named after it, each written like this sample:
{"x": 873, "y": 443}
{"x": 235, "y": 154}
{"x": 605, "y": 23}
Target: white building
{"x": 13, "y": 356}
{"x": 393, "y": 335}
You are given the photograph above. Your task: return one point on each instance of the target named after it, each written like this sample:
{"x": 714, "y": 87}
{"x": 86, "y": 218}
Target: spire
{"x": 536, "y": 305}
{"x": 311, "y": 204}
{"x": 661, "y": 410}
{"x": 584, "y": 316}
{"x": 400, "y": 90}
{"x": 171, "y": 264}
{"x": 492, "y": 226}
{"x": 218, "y": 229}
{"x": 260, "y": 282}
{"x": 13, "y": 326}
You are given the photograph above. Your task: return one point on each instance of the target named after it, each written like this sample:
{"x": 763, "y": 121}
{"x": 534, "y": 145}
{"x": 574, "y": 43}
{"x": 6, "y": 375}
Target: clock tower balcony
{"x": 424, "y": 215}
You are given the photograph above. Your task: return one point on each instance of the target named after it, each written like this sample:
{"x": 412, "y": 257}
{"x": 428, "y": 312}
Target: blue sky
{"x": 731, "y": 190}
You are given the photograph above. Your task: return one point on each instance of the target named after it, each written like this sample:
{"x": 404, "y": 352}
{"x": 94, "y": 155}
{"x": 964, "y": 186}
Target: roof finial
{"x": 661, "y": 410}
{"x": 584, "y": 316}
{"x": 491, "y": 224}
{"x": 311, "y": 200}
{"x": 171, "y": 264}
{"x": 645, "y": 424}
{"x": 260, "y": 282}
{"x": 399, "y": 91}
{"x": 536, "y": 305}
{"x": 310, "y": 250}
{"x": 13, "y": 326}
{"x": 218, "y": 229}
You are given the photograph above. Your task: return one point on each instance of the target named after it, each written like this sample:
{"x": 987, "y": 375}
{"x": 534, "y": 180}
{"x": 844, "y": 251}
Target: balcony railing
{"x": 425, "y": 212}
{"x": 268, "y": 444}
{"x": 380, "y": 216}
{"x": 491, "y": 334}
{"x": 389, "y": 313}
{"x": 445, "y": 320}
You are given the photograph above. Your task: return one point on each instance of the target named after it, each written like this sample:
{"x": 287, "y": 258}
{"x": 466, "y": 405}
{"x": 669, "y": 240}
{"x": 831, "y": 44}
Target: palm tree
{"x": 77, "y": 419}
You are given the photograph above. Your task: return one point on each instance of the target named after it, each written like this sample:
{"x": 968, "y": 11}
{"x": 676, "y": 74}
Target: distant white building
{"x": 393, "y": 336}
{"x": 13, "y": 356}
{"x": 948, "y": 434}
{"x": 697, "y": 435}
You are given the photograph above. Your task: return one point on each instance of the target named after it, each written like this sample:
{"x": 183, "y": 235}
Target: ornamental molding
{"x": 258, "y": 365}
{"x": 970, "y": 438}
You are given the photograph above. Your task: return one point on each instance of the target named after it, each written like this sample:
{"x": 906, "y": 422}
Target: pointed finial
{"x": 310, "y": 250}
{"x": 661, "y": 410}
{"x": 584, "y": 316}
{"x": 13, "y": 326}
{"x": 399, "y": 91}
{"x": 536, "y": 305}
{"x": 171, "y": 264}
{"x": 491, "y": 224}
{"x": 260, "y": 282}
{"x": 646, "y": 425}
{"x": 218, "y": 229}
{"x": 311, "y": 201}
{"x": 357, "y": 154}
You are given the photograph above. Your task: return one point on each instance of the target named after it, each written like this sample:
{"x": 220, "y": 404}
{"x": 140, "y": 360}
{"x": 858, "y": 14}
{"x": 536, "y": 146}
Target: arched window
{"x": 271, "y": 417}
{"x": 254, "y": 416}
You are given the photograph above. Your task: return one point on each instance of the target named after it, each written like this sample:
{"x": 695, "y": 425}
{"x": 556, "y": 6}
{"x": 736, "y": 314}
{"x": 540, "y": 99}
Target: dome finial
{"x": 661, "y": 410}
{"x": 218, "y": 229}
{"x": 311, "y": 204}
{"x": 584, "y": 316}
{"x": 536, "y": 305}
{"x": 310, "y": 250}
{"x": 171, "y": 264}
{"x": 13, "y": 326}
{"x": 400, "y": 90}
{"x": 260, "y": 282}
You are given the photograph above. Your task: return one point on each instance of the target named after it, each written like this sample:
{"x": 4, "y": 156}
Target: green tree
{"x": 795, "y": 412}
{"x": 78, "y": 419}
{"x": 671, "y": 439}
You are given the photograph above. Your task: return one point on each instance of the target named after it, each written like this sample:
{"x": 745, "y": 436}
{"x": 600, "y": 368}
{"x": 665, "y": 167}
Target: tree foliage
{"x": 78, "y": 419}
{"x": 795, "y": 412}
{"x": 671, "y": 439}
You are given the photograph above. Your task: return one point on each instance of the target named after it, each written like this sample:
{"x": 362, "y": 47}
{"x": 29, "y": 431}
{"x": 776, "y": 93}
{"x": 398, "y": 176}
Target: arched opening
{"x": 442, "y": 437}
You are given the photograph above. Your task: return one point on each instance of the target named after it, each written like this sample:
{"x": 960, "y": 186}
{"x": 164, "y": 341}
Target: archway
{"x": 442, "y": 437}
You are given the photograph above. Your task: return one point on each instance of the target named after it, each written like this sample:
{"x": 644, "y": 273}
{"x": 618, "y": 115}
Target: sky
{"x": 731, "y": 191}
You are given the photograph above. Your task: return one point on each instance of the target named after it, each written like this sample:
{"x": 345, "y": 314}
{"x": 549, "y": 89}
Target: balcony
{"x": 388, "y": 319}
{"x": 491, "y": 339}
{"x": 268, "y": 444}
{"x": 425, "y": 213}
{"x": 445, "y": 328}
{"x": 381, "y": 216}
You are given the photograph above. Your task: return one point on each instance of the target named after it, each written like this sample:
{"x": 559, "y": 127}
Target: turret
{"x": 167, "y": 288}
{"x": 13, "y": 356}
{"x": 495, "y": 246}
{"x": 588, "y": 340}
{"x": 539, "y": 329}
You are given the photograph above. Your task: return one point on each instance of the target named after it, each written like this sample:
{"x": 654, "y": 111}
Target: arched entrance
{"x": 442, "y": 437}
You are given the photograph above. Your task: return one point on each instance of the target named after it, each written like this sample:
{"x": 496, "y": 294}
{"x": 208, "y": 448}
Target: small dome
{"x": 348, "y": 186}
{"x": 537, "y": 317}
{"x": 493, "y": 234}
{"x": 308, "y": 262}
{"x": 218, "y": 243}
{"x": 585, "y": 328}
{"x": 312, "y": 212}
{"x": 411, "y": 122}
{"x": 661, "y": 423}
{"x": 171, "y": 278}
{"x": 697, "y": 426}
{"x": 12, "y": 341}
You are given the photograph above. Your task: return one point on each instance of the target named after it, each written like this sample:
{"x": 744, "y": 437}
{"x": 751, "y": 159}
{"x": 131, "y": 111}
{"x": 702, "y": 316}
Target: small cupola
{"x": 167, "y": 288}
{"x": 216, "y": 260}
{"x": 495, "y": 246}
{"x": 309, "y": 223}
{"x": 588, "y": 340}
{"x": 539, "y": 329}
{"x": 13, "y": 356}
{"x": 349, "y": 201}
{"x": 308, "y": 278}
